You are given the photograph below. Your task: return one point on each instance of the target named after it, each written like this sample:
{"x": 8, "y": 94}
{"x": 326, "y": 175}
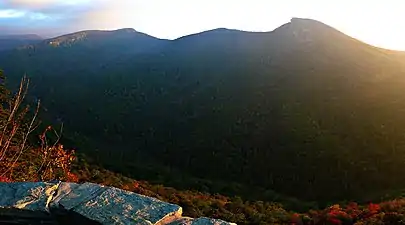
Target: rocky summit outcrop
{"x": 87, "y": 203}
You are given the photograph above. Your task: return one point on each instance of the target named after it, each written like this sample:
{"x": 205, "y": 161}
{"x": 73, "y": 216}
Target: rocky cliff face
{"x": 88, "y": 203}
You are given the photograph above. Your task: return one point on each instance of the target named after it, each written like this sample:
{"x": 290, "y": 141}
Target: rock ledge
{"x": 87, "y": 203}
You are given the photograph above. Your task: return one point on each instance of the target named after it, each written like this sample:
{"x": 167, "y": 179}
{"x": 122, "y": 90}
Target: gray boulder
{"x": 88, "y": 203}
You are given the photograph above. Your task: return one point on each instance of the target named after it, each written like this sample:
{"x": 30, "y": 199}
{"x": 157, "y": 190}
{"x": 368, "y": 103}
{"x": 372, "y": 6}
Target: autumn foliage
{"x": 390, "y": 212}
{"x": 20, "y": 158}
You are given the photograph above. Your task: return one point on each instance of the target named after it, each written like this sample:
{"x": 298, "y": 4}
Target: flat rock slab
{"x": 112, "y": 205}
{"x": 97, "y": 203}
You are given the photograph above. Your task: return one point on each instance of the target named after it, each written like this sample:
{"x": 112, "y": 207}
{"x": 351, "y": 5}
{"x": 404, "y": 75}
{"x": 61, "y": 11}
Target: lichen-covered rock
{"x": 24, "y": 195}
{"x": 100, "y": 204}
{"x": 113, "y": 205}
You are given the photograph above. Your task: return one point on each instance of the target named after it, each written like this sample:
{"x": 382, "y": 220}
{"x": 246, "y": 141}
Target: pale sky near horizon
{"x": 380, "y": 23}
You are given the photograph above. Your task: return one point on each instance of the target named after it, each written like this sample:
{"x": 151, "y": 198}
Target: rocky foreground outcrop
{"x": 88, "y": 203}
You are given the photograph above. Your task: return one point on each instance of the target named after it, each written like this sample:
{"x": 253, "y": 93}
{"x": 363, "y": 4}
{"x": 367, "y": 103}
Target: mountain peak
{"x": 304, "y": 23}
{"x": 308, "y": 31}
{"x": 125, "y": 30}
{"x": 69, "y": 39}
{"x": 303, "y": 20}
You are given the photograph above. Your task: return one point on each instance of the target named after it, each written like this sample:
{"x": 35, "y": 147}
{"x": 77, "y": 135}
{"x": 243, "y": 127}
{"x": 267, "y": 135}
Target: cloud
{"x": 6, "y": 15}
{"x": 56, "y": 16}
{"x": 11, "y": 13}
{"x": 42, "y": 4}
{"x": 31, "y": 4}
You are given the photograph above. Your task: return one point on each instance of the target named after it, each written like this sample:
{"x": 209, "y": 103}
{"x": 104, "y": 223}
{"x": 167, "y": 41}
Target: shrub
{"x": 19, "y": 159}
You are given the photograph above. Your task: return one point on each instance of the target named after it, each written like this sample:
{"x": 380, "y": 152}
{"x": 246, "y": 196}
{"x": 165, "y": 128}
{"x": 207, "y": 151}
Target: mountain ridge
{"x": 296, "y": 22}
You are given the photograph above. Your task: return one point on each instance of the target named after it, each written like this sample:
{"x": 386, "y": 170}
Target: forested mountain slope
{"x": 303, "y": 110}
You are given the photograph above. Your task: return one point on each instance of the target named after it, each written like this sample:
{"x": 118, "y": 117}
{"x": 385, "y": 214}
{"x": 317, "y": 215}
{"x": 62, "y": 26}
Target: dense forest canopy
{"x": 304, "y": 110}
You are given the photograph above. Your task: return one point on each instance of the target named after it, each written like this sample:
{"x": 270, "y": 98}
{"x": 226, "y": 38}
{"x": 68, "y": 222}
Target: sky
{"x": 377, "y": 22}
